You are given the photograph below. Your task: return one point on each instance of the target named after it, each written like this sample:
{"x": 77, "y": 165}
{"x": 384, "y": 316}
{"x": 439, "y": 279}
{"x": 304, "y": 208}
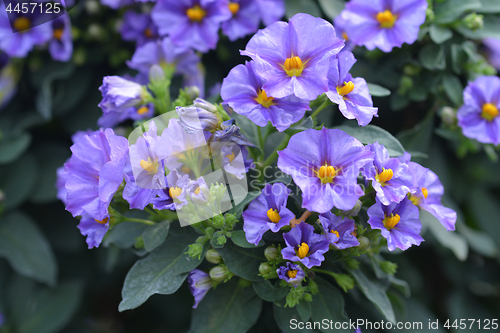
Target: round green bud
{"x": 195, "y": 250}
{"x": 230, "y": 220}
{"x": 209, "y": 231}
{"x": 271, "y": 253}
{"x": 364, "y": 244}
{"x": 228, "y": 234}
{"x": 352, "y": 263}
{"x": 448, "y": 115}
{"x": 213, "y": 256}
{"x": 264, "y": 268}
{"x": 389, "y": 267}
{"x": 219, "y": 273}
{"x": 474, "y": 21}
{"x": 218, "y": 221}
{"x": 221, "y": 240}
{"x": 307, "y": 297}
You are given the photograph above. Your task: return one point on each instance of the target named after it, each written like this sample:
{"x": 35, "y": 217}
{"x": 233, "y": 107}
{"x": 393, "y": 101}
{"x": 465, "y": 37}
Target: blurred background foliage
{"x": 50, "y": 282}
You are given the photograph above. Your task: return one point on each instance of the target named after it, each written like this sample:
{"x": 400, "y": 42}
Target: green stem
{"x": 130, "y": 219}
{"x": 261, "y": 138}
{"x": 318, "y": 270}
{"x": 320, "y": 108}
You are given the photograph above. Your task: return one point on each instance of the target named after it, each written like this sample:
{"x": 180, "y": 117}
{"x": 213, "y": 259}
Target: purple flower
{"x": 303, "y": 245}
{"x": 383, "y": 24}
{"x": 351, "y": 94}
{"x": 325, "y": 165}
{"x": 194, "y": 119}
{"x": 244, "y": 19}
{"x": 293, "y": 58}
{"x": 115, "y": 4}
{"x": 191, "y": 23}
{"x": 339, "y": 23}
{"x": 398, "y": 223}
{"x": 478, "y": 117}
{"x": 28, "y": 31}
{"x": 61, "y": 44}
{"x": 233, "y": 161}
{"x": 112, "y": 118}
{"x": 242, "y": 90}
{"x": 138, "y": 27}
{"x": 493, "y": 51}
{"x": 119, "y": 94}
{"x": 291, "y": 273}
{"x": 267, "y": 212}
{"x": 339, "y": 231}
{"x": 174, "y": 196}
{"x": 427, "y": 191}
{"x": 229, "y": 132}
{"x": 61, "y": 184}
{"x": 271, "y": 10}
{"x": 199, "y": 284}
{"x": 390, "y": 178}
{"x": 94, "y": 173}
{"x": 198, "y": 191}
{"x": 94, "y": 230}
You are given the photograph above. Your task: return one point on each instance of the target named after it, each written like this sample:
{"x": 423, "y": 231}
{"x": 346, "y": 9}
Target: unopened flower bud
{"x": 156, "y": 73}
{"x": 195, "y": 250}
{"x": 192, "y": 92}
{"x": 352, "y": 263}
{"x": 344, "y": 281}
{"x": 195, "y": 119}
{"x": 271, "y": 253}
{"x": 448, "y": 115}
{"x": 231, "y": 220}
{"x": 219, "y": 273}
{"x": 474, "y": 21}
{"x": 264, "y": 268}
{"x": 307, "y": 297}
{"x": 364, "y": 244}
{"x": 218, "y": 221}
{"x": 221, "y": 240}
{"x": 201, "y": 103}
{"x": 209, "y": 231}
{"x": 354, "y": 211}
{"x": 389, "y": 267}
{"x": 213, "y": 256}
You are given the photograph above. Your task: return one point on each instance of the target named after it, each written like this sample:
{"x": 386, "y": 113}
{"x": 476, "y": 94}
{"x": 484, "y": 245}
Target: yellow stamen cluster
{"x": 196, "y": 13}
{"x": 384, "y": 176}
{"x": 149, "y": 166}
{"x": 344, "y": 35}
{"x": 293, "y": 66}
{"x": 103, "y": 221}
{"x": 197, "y": 191}
{"x": 22, "y": 23}
{"x": 142, "y": 110}
{"x": 234, "y": 7}
{"x": 335, "y": 232}
{"x": 303, "y": 250}
{"x": 326, "y": 173}
{"x": 273, "y": 215}
{"x": 346, "y": 88}
{"x": 490, "y": 111}
{"x": 174, "y": 192}
{"x": 391, "y": 221}
{"x": 231, "y": 157}
{"x": 263, "y": 99}
{"x": 386, "y": 19}
{"x": 58, "y": 34}
{"x": 425, "y": 193}
{"x": 292, "y": 273}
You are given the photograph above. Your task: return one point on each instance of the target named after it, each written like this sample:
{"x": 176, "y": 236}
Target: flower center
{"x": 149, "y": 166}
{"x": 391, "y": 221}
{"x": 326, "y": 173}
{"x": 345, "y": 89}
{"x": 335, "y": 232}
{"x": 384, "y": 176}
{"x": 148, "y": 33}
{"x": 263, "y": 100}
{"x": 231, "y": 157}
{"x": 425, "y": 193}
{"x": 142, "y": 110}
{"x": 58, "y": 33}
{"x": 490, "y": 111}
{"x": 386, "y": 19}
{"x": 293, "y": 66}
{"x": 196, "y": 13}
{"x": 197, "y": 191}
{"x": 292, "y": 273}
{"x": 273, "y": 215}
{"x": 22, "y": 23}
{"x": 103, "y": 221}
{"x": 344, "y": 35}
{"x": 174, "y": 192}
{"x": 234, "y": 7}
{"x": 303, "y": 250}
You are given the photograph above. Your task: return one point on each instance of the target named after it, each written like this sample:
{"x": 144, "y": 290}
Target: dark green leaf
{"x": 243, "y": 262}
{"x": 453, "y": 88}
{"x": 304, "y": 310}
{"x": 272, "y": 143}
{"x": 451, "y": 10}
{"x": 432, "y": 57}
{"x": 238, "y": 209}
{"x": 332, "y": 8}
{"x": 27, "y": 249}
{"x": 161, "y": 272}
{"x": 418, "y": 138}
{"x": 124, "y": 234}
{"x": 44, "y": 99}
{"x": 269, "y": 292}
{"x": 328, "y": 304}
{"x": 155, "y": 235}
{"x": 440, "y": 34}
{"x": 489, "y": 7}
{"x": 302, "y": 126}
{"x": 11, "y": 147}
{"x": 479, "y": 241}
{"x": 302, "y": 6}
{"x": 288, "y": 319}
{"x": 239, "y": 239}
{"x": 491, "y": 29}
{"x": 17, "y": 180}
{"x": 458, "y": 58}
{"x": 378, "y": 91}
{"x": 370, "y": 134}
{"x": 230, "y": 308}
{"x": 400, "y": 285}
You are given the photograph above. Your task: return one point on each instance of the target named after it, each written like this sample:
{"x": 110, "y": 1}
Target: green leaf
{"x": 238, "y": 209}
{"x": 491, "y": 29}
{"x": 243, "y": 262}
{"x": 230, "y": 308}
{"x": 11, "y": 147}
{"x": 328, "y": 304}
{"x": 418, "y": 138}
{"x": 453, "y": 88}
{"x": 273, "y": 142}
{"x": 479, "y": 241}
{"x": 458, "y": 58}
{"x": 124, "y": 234}
{"x": 239, "y": 239}
{"x": 304, "y": 310}
{"x": 440, "y": 34}
{"x": 302, "y": 126}
{"x": 27, "y": 249}
{"x": 288, "y": 319}
{"x": 378, "y": 91}
{"x": 375, "y": 292}
{"x": 489, "y": 7}
{"x": 371, "y": 133}
{"x": 432, "y": 57}
{"x": 17, "y": 180}
{"x": 302, "y": 6}
{"x": 451, "y": 10}
{"x": 162, "y": 272}
{"x": 269, "y": 292}
{"x": 332, "y": 8}
{"x": 155, "y": 235}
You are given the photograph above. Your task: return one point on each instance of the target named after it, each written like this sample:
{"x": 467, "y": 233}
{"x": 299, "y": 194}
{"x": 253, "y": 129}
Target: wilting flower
{"x": 244, "y": 19}
{"x": 229, "y": 132}
{"x": 119, "y": 94}
{"x": 271, "y": 10}
{"x": 291, "y": 273}
{"x": 174, "y": 197}
{"x": 194, "y": 119}
{"x": 351, "y": 94}
{"x": 339, "y": 231}
{"x": 303, "y": 245}
{"x": 93, "y": 229}
{"x": 28, "y": 31}
{"x": 478, "y": 117}
{"x": 191, "y": 23}
{"x": 390, "y": 178}
{"x": 138, "y": 27}
{"x": 242, "y": 90}
{"x": 383, "y": 24}
{"x": 199, "y": 284}
{"x": 267, "y": 212}
{"x": 294, "y": 57}
{"x": 398, "y": 223}
{"x": 493, "y": 51}
{"x": 94, "y": 173}
{"x": 325, "y": 165}
{"x": 61, "y": 44}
